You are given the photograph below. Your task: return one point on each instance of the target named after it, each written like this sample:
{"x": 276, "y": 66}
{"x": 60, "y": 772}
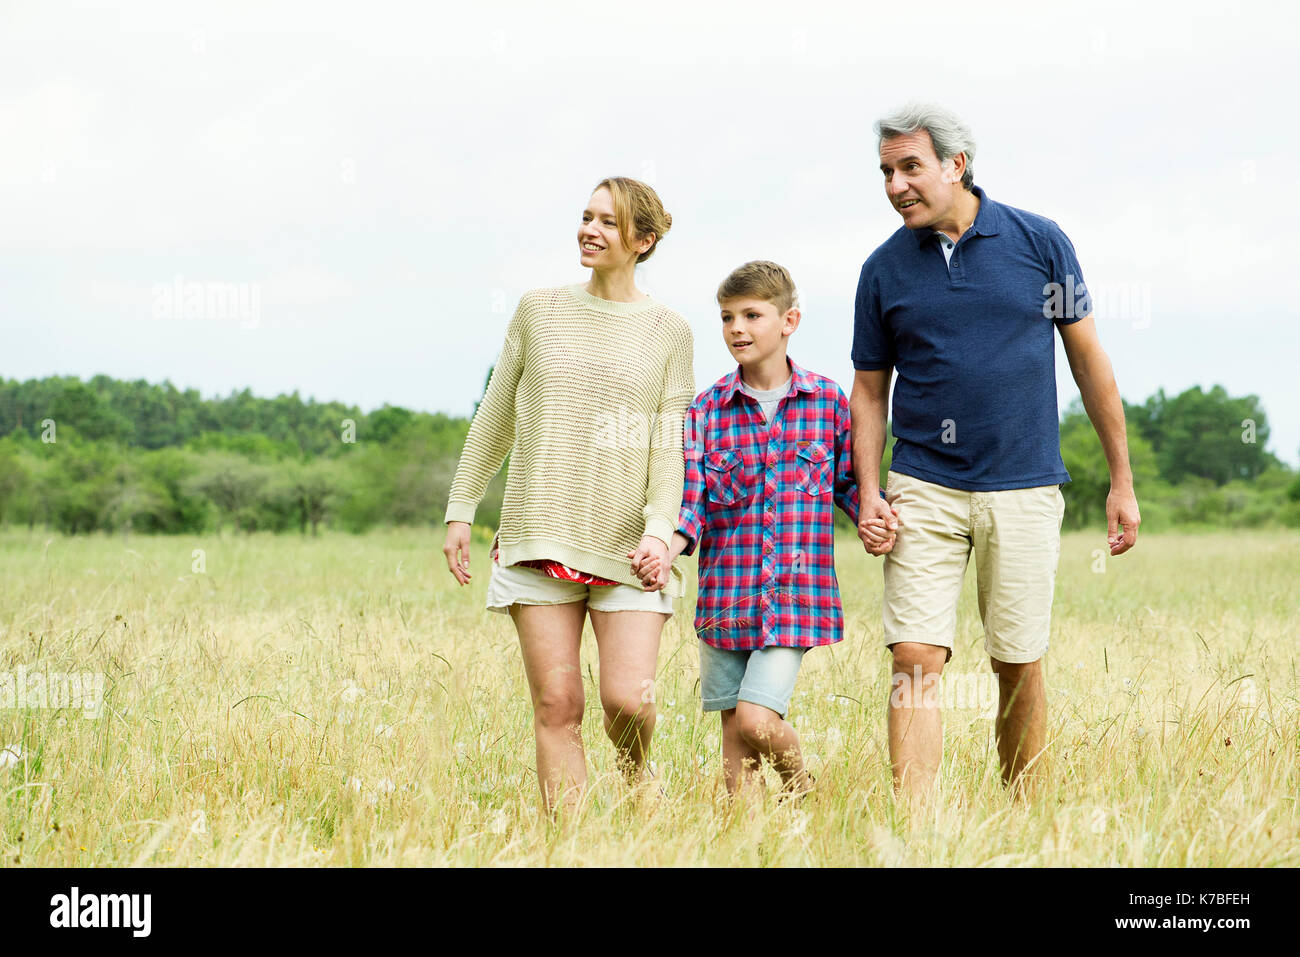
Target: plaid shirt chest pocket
{"x": 724, "y": 476}
{"x": 814, "y": 471}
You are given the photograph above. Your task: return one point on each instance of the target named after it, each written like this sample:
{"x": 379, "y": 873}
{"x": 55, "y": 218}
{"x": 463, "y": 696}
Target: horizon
{"x": 362, "y": 219}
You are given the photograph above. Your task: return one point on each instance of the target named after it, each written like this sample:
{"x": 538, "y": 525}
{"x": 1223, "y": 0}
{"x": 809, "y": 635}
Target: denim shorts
{"x": 765, "y": 676}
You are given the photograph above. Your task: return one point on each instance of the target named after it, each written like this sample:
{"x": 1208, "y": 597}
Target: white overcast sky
{"x": 390, "y": 177}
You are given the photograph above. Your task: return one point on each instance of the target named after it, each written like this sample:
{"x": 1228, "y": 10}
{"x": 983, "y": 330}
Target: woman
{"x": 587, "y": 398}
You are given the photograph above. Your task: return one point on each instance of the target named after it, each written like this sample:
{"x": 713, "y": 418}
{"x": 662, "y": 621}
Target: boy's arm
{"x": 846, "y": 484}
{"x": 679, "y": 545}
{"x": 694, "y": 512}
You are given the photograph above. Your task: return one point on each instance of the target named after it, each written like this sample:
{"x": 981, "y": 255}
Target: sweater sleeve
{"x": 492, "y": 433}
{"x": 667, "y": 468}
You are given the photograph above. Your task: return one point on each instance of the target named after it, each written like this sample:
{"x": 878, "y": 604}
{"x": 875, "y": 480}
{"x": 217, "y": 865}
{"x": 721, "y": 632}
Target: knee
{"x": 558, "y": 707}
{"x": 629, "y": 707}
{"x": 1012, "y": 673}
{"x": 910, "y": 655}
{"x": 757, "y": 727}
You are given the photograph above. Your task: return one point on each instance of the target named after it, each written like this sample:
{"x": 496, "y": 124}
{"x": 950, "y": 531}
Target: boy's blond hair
{"x": 763, "y": 280}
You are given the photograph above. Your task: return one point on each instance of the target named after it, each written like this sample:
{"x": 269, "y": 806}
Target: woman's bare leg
{"x": 550, "y": 637}
{"x": 628, "y": 643}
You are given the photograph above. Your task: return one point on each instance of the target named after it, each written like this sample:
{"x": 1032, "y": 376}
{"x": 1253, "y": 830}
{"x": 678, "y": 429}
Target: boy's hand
{"x": 652, "y": 556}
{"x": 878, "y": 526}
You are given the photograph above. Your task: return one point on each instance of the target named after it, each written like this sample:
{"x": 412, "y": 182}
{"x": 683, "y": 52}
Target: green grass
{"x": 340, "y": 701}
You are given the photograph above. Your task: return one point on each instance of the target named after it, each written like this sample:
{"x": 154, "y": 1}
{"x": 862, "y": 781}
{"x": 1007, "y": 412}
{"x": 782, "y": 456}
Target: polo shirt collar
{"x": 801, "y": 381}
{"x": 987, "y": 220}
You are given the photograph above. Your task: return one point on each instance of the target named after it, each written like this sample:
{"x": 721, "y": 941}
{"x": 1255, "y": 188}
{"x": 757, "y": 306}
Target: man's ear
{"x": 790, "y": 321}
{"x": 954, "y": 169}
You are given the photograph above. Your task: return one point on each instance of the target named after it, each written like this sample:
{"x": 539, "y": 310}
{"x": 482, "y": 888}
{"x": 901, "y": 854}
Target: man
{"x": 962, "y": 301}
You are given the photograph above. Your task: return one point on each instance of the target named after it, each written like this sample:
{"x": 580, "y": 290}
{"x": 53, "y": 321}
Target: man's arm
{"x": 1092, "y": 372}
{"x": 869, "y": 409}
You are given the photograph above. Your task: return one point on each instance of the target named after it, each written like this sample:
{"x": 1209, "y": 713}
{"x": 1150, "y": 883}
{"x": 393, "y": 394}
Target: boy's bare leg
{"x": 628, "y": 642}
{"x": 740, "y": 761}
{"x": 550, "y": 637}
{"x": 775, "y": 739}
{"x": 915, "y": 719}
{"x": 1021, "y": 721}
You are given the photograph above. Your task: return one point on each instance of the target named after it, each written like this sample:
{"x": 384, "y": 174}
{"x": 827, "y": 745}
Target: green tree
{"x": 1208, "y": 435}
{"x": 1081, "y": 451}
{"x": 234, "y": 485}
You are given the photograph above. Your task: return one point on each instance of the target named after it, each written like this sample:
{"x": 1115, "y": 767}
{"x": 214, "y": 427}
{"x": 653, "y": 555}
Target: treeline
{"x": 1198, "y": 458}
{"x": 133, "y": 456}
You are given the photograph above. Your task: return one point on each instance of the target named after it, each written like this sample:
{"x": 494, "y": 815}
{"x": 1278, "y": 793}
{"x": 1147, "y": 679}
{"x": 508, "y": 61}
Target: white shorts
{"x": 519, "y": 584}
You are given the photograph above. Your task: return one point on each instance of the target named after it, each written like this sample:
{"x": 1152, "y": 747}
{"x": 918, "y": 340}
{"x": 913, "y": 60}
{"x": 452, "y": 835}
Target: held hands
{"x": 877, "y": 525}
{"x": 651, "y": 564}
{"x": 456, "y": 550}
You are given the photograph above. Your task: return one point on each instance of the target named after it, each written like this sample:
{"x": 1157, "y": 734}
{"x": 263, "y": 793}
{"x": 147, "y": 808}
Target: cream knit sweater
{"x": 588, "y": 398}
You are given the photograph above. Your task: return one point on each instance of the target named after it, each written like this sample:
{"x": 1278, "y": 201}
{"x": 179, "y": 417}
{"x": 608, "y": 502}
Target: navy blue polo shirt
{"x": 972, "y": 342}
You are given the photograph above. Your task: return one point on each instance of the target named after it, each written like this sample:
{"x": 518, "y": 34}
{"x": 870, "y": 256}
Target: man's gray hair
{"x": 947, "y": 131}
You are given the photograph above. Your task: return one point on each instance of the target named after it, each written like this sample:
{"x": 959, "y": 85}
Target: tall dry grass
{"x": 341, "y": 701}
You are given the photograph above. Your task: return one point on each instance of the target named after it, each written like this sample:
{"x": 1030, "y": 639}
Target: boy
{"x": 767, "y": 458}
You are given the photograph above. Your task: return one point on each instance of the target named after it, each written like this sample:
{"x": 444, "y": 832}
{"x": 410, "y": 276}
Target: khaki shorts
{"x": 1016, "y": 537}
{"x": 529, "y": 586}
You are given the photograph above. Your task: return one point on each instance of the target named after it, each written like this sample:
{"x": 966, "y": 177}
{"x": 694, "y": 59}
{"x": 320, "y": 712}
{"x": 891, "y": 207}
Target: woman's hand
{"x": 456, "y": 548}
{"x": 650, "y": 563}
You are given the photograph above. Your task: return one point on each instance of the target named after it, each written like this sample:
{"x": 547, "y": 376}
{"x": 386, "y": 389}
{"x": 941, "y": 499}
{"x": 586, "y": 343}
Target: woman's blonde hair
{"x": 638, "y": 212}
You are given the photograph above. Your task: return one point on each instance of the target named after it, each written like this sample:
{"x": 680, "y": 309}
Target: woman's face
{"x": 599, "y": 244}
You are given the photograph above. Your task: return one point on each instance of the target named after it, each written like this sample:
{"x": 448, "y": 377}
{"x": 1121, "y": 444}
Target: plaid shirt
{"x": 759, "y": 499}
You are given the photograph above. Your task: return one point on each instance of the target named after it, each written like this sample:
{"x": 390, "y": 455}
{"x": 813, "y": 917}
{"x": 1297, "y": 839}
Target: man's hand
{"x": 877, "y": 525}
{"x": 456, "y": 549}
{"x": 650, "y": 563}
{"x": 1121, "y": 510}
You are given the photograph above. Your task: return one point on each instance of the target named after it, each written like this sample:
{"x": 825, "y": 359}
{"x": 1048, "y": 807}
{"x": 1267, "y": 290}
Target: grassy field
{"x": 341, "y": 701}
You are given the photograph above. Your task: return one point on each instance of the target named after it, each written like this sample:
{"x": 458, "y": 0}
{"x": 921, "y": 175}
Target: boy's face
{"x": 753, "y": 329}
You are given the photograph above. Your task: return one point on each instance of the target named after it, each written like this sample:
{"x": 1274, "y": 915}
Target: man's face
{"x": 922, "y": 189}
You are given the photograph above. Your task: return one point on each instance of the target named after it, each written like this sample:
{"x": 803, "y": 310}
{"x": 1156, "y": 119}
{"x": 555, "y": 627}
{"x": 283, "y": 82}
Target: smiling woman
{"x": 585, "y": 503}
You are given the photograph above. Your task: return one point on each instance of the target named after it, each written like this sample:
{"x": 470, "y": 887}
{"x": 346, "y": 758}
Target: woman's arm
{"x": 490, "y": 436}
{"x": 492, "y": 432}
{"x": 667, "y": 471}
{"x": 692, "y": 518}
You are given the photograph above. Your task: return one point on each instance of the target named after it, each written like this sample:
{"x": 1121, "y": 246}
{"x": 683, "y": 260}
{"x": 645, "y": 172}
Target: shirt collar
{"x": 800, "y": 381}
{"x": 986, "y": 222}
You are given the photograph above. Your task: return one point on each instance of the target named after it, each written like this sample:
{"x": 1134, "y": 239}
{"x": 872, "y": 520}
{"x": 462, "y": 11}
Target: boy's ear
{"x": 790, "y": 321}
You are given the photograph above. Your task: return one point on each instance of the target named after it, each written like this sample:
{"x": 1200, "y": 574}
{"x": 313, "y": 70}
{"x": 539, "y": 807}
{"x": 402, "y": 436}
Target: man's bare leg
{"x": 915, "y": 719}
{"x": 1021, "y": 722}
